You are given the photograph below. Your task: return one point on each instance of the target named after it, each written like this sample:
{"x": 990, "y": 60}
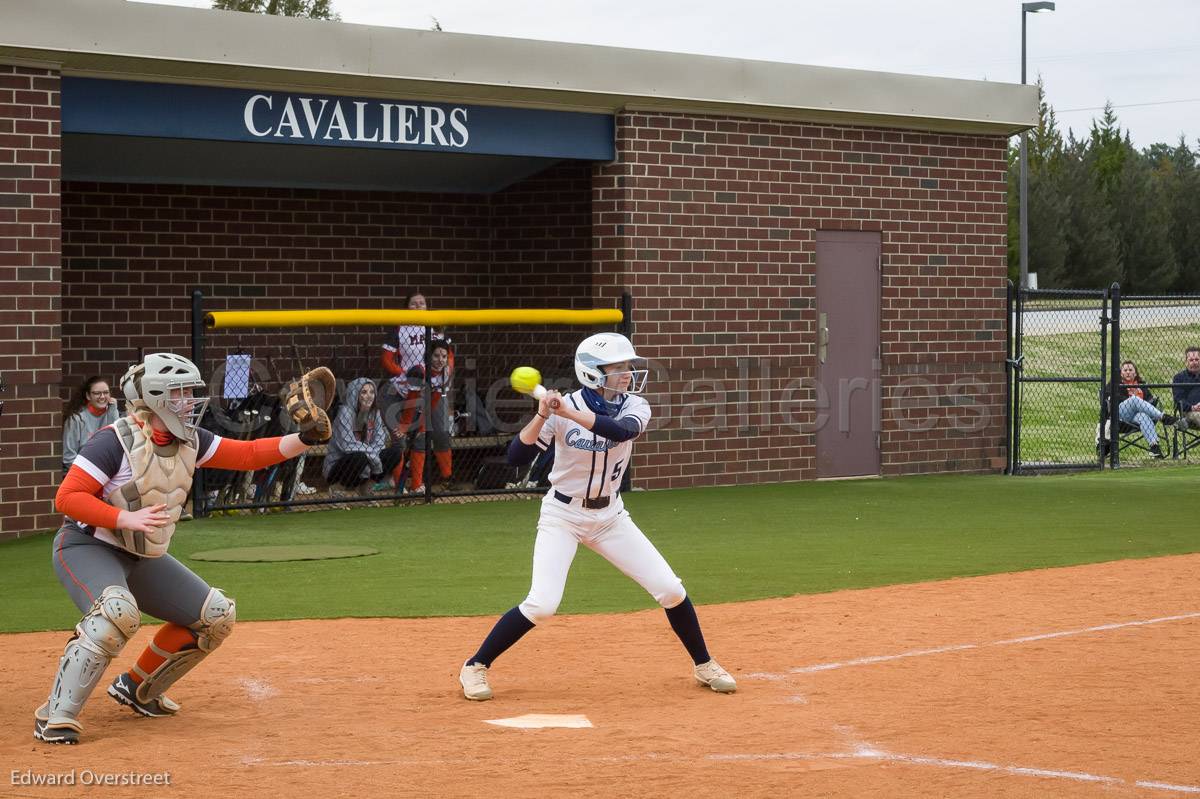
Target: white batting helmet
{"x": 601, "y": 350}
{"x": 149, "y": 385}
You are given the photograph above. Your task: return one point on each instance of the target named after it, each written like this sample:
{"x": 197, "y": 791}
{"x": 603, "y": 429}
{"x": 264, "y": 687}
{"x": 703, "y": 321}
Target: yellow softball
{"x": 525, "y": 379}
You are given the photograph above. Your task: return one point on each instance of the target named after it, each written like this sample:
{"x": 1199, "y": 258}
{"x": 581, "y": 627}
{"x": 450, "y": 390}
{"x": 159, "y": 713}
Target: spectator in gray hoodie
{"x": 91, "y": 407}
{"x": 359, "y": 449}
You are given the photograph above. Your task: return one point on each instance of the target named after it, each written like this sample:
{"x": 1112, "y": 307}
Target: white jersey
{"x": 408, "y": 343}
{"x": 586, "y": 465}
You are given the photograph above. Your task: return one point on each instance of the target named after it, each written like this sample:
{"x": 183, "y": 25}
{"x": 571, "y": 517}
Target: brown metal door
{"x": 848, "y": 391}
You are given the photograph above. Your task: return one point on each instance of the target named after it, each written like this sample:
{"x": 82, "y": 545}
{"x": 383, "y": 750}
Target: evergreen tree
{"x": 1176, "y": 170}
{"x": 1102, "y": 212}
{"x": 1108, "y": 151}
{"x": 1092, "y": 259}
{"x": 1047, "y": 212}
{"x": 1142, "y": 226}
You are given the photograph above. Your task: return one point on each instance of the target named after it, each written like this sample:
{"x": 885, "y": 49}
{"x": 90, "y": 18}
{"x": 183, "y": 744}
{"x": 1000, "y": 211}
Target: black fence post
{"x": 427, "y": 418}
{"x": 1009, "y": 306}
{"x": 1114, "y": 380}
{"x": 1018, "y": 353}
{"x": 1105, "y": 332}
{"x": 199, "y": 495}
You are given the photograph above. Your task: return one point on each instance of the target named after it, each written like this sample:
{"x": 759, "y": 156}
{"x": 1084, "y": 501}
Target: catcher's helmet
{"x": 602, "y": 349}
{"x": 149, "y": 385}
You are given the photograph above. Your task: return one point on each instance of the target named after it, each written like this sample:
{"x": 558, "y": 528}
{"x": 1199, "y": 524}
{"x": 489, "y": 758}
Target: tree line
{"x": 1103, "y": 211}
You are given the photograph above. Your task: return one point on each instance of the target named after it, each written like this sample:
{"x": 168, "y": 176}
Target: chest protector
{"x": 161, "y": 476}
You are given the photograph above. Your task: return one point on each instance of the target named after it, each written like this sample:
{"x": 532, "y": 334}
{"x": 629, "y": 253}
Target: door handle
{"x": 822, "y": 336}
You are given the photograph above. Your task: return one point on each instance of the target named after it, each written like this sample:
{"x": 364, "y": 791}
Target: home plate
{"x": 534, "y": 721}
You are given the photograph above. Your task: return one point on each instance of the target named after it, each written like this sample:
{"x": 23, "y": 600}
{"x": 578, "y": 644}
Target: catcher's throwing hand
{"x": 144, "y": 520}
{"x": 307, "y": 401}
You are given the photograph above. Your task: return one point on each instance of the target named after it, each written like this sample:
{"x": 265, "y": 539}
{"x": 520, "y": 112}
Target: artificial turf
{"x": 727, "y": 544}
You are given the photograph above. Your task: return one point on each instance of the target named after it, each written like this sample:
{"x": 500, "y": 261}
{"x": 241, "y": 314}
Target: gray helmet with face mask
{"x": 149, "y": 385}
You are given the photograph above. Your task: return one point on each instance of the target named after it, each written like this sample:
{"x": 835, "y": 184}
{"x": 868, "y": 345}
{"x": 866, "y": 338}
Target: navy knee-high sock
{"x": 508, "y": 631}
{"x": 687, "y": 627}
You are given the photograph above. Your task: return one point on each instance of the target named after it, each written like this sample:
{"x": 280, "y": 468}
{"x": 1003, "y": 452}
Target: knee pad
{"x": 441, "y": 442}
{"x": 113, "y": 619}
{"x": 418, "y": 442}
{"x": 216, "y": 620}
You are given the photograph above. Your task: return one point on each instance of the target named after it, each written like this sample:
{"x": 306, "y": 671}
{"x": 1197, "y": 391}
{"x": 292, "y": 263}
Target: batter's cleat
{"x": 124, "y": 691}
{"x": 63, "y": 732}
{"x": 474, "y": 682}
{"x": 715, "y": 677}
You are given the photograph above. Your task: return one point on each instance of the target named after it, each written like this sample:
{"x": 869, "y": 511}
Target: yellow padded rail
{"x": 388, "y": 318}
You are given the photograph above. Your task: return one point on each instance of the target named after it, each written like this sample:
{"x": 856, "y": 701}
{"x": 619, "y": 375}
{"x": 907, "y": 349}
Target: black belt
{"x": 590, "y": 504}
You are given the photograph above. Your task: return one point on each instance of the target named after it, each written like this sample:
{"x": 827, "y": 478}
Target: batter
{"x": 592, "y": 431}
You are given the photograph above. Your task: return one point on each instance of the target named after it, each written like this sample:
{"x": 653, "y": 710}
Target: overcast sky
{"x": 1143, "y": 56}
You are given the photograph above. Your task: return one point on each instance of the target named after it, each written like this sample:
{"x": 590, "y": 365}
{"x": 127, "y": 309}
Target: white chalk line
{"x": 962, "y": 647}
{"x": 859, "y": 752}
{"x": 866, "y": 752}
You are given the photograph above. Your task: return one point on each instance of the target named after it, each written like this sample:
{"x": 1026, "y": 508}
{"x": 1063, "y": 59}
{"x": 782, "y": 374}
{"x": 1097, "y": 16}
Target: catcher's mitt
{"x": 306, "y": 401}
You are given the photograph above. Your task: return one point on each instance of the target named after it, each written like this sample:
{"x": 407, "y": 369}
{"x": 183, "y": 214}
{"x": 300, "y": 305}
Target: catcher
{"x": 122, "y": 497}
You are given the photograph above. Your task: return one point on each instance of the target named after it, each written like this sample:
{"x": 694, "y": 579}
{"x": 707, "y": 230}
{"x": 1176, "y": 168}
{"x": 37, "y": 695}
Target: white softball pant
{"x": 610, "y": 533}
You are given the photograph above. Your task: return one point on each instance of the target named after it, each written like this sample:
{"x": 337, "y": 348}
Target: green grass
{"x": 1058, "y": 420}
{"x": 727, "y": 544}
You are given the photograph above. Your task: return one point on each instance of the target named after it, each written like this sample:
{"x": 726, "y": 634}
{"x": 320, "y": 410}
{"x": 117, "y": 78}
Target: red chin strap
{"x": 160, "y": 437}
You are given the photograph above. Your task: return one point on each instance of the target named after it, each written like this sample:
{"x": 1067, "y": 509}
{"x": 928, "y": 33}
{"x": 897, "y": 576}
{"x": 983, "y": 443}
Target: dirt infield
{"x": 1064, "y": 682}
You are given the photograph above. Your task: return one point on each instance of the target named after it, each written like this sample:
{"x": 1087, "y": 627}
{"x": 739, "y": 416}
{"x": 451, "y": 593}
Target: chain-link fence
{"x": 1068, "y": 347}
{"x": 1059, "y": 353}
{"x": 398, "y": 438}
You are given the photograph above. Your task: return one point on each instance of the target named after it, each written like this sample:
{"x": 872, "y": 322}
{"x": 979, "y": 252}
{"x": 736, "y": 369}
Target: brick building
{"x": 817, "y": 256}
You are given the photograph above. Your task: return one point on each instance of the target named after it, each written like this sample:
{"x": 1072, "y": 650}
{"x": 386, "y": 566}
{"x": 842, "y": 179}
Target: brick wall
{"x": 711, "y": 222}
{"x": 132, "y": 255}
{"x": 30, "y": 428}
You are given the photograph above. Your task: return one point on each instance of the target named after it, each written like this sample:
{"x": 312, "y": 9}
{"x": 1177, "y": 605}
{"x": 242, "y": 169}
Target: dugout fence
{"x": 248, "y": 358}
{"x": 1064, "y": 347}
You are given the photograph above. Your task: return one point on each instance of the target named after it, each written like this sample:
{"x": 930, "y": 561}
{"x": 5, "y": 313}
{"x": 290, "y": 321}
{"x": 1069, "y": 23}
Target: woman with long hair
{"x": 90, "y": 408}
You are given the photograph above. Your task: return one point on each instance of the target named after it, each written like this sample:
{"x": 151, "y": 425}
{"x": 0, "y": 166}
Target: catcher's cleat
{"x": 64, "y": 732}
{"x": 124, "y": 691}
{"x": 715, "y": 677}
{"x": 474, "y": 682}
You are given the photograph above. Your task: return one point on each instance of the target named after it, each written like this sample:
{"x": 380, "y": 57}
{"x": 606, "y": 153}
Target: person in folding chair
{"x": 122, "y": 497}
{"x": 1138, "y": 411}
{"x": 1186, "y": 391}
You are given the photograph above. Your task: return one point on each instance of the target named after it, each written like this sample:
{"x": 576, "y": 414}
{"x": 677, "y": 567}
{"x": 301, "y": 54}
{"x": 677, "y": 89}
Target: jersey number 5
{"x": 616, "y": 475}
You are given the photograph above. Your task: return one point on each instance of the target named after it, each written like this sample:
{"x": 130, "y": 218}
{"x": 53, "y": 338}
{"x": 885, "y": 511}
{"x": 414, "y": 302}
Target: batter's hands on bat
{"x": 144, "y": 520}
{"x": 549, "y": 403}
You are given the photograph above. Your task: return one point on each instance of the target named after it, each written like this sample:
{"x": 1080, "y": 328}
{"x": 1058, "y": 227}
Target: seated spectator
{"x": 1187, "y": 389}
{"x": 91, "y": 407}
{"x": 359, "y": 449}
{"x": 1138, "y": 407}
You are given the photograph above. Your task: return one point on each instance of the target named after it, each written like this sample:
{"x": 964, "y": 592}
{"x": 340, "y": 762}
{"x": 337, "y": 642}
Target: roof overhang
{"x": 137, "y": 41}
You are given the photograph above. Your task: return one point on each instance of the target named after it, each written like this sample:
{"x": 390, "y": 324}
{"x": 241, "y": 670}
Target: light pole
{"x": 1026, "y": 8}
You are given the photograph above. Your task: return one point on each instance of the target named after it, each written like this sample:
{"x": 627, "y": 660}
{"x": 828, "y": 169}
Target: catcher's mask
{"x": 167, "y": 384}
{"x": 596, "y": 352}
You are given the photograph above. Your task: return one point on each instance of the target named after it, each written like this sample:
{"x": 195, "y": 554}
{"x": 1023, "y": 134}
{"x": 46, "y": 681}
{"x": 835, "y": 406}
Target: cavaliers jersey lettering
{"x": 586, "y": 464}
